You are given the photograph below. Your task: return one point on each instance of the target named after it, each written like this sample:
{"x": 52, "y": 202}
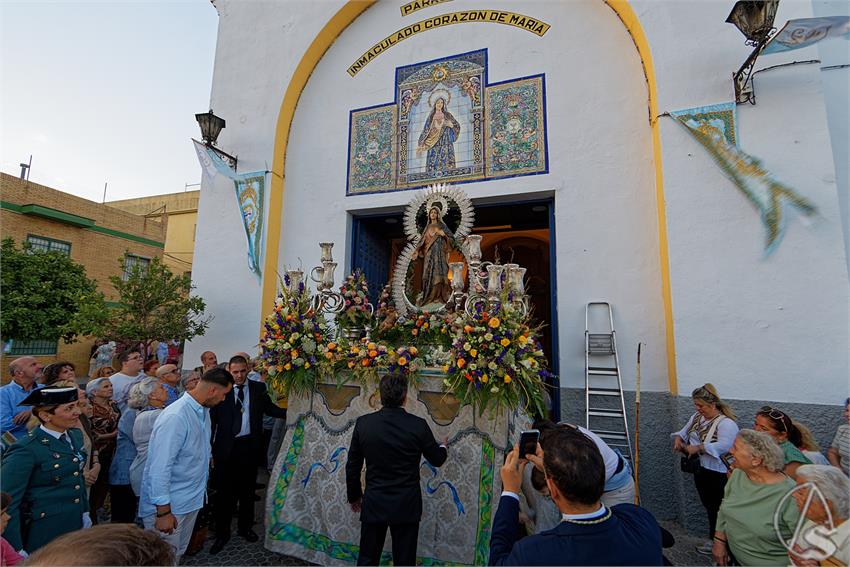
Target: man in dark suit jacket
{"x": 589, "y": 533}
{"x": 392, "y": 442}
{"x": 237, "y": 436}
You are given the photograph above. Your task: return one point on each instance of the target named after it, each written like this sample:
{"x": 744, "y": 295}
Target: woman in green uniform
{"x": 43, "y": 472}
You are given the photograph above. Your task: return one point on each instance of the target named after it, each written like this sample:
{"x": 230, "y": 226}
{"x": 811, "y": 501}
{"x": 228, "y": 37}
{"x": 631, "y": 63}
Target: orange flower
{"x": 329, "y": 355}
{"x": 402, "y": 361}
{"x": 467, "y": 328}
{"x": 414, "y": 332}
{"x": 287, "y": 366}
{"x": 468, "y": 376}
{"x": 365, "y": 362}
{"x": 461, "y": 363}
{"x": 507, "y": 378}
{"x": 494, "y": 323}
{"x": 289, "y": 317}
{"x": 331, "y": 346}
{"x": 505, "y": 342}
{"x": 373, "y": 353}
{"x": 413, "y": 350}
{"x": 351, "y": 364}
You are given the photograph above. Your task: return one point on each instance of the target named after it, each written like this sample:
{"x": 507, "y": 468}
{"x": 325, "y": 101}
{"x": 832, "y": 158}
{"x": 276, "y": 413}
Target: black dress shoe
{"x": 250, "y": 535}
{"x": 259, "y": 485}
{"x": 218, "y": 545}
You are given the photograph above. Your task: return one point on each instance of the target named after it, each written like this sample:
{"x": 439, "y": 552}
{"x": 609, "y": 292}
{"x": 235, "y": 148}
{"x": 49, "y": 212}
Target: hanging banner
{"x": 746, "y": 172}
{"x": 721, "y": 116}
{"x": 797, "y": 34}
{"x": 250, "y": 191}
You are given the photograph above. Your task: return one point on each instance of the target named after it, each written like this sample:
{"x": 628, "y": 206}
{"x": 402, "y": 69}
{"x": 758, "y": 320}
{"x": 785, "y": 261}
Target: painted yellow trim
{"x": 317, "y": 49}
{"x": 310, "y": 59}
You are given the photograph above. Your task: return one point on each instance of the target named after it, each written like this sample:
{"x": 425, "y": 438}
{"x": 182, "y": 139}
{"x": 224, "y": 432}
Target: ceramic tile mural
{"x": 372, "y": 150}
{"x": 448, "y": 125}
{"x": 516, "y": 130}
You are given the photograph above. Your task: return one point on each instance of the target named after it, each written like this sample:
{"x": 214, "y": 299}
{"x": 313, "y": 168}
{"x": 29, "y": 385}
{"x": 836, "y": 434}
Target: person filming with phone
{"x": 589, "y": 533}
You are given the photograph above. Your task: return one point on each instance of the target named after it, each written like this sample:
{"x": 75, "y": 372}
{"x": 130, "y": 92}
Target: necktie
{"x": 64, "y": 437}
{"x": 240, "y": 405}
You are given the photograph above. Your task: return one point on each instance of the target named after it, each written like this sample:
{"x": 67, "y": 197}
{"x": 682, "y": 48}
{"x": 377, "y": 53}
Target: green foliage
{"x": 46, "y": 296}
{"x": 154, "y": 305}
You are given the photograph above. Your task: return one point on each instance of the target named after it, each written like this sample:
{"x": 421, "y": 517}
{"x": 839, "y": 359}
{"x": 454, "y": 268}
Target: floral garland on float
{"x": 294, "y": 345}
{"x": 497, "y": 361}
{"x": 356, "y": 313}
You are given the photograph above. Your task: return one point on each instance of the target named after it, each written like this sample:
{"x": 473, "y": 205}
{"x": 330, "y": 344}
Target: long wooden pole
{"x": 637, "y": 430}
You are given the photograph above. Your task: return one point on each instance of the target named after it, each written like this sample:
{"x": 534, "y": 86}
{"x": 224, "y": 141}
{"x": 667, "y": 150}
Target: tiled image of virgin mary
{"x": 438, "y": 137}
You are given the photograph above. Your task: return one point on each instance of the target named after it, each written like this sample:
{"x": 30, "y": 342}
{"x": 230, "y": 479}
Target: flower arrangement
{"x": 497, "y": 362}
{"x": 293, "y": 343}
{"x": 366, "y": 358}
{"x": 432, "y": 328}
{"x": 357, "y": 311}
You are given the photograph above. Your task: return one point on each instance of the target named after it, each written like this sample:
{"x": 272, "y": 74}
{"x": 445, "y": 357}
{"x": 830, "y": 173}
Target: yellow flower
{"x": 494, "y": 323}
{"x": 371, "y": 346}
{"x": 413, "y": 350}
{"x": 287, "y": 366}
{"x": 507, "y": 378}
{"x": 402, "y": 361}
{"x": 523, "y": 339}
{"x": 355, "y": 350}
{"x": 445, "y": 368}
{"x": 484, "y": 379}
{"x": 306, "y": 365}
{"x": 473, "y": 353}
{"x": 425, "y": 326}
{"x": 505, "y": 342}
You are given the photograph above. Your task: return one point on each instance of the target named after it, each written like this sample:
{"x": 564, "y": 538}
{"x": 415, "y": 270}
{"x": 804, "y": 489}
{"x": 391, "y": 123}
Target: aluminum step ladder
{"x": 605, "y": 408}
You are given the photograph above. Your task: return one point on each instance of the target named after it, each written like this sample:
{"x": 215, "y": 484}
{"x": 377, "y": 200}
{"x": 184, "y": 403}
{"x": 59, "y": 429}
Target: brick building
{"x": 181, "y": 209}
{"x": 94, "y": 235}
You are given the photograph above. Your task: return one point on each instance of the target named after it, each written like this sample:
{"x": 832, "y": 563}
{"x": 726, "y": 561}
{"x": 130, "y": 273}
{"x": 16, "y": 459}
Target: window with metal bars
{"x": 21, "y": 348}
{"x": 130, "y": 261}
{"x": 48, "y": 244}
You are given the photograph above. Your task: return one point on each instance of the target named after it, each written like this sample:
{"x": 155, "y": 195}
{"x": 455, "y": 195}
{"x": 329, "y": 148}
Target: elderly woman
{"x": 148, "y": 397}
{"x": 150, "y": 367}
{"x": 124, "y": 499}
{"x": 104, "y": 424}
{"x": 190, "y": 381}
{"x": 839, "y": 450}
{"x": 707, "y": 435}
{"x": 42, "y": 472}
{"x": 58, "y": 371}
{"x": 745, "y": 522}
{"x": 822, "y": 515}
{"x": 778, "y": 425}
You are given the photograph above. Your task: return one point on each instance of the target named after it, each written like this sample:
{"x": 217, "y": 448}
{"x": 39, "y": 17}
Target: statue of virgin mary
{"x": 433, "y": 248}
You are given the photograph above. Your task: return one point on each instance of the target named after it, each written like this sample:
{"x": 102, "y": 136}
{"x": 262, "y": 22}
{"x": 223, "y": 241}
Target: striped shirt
{"x": 841, "y": 443}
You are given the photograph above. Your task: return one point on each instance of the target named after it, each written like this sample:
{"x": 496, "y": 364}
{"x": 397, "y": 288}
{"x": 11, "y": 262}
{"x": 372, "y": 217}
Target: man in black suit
{"x": 237, "y": 435}
{"x": 392, "y": 442}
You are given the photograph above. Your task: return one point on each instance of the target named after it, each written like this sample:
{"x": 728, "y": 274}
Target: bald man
{"x": 25, "y": 371}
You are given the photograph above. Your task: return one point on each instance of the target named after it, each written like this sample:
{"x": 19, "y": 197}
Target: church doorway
{"x": 518, "y": 232}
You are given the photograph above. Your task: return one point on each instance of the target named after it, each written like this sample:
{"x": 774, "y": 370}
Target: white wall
{"x": 726, "y": 296}
{"x": 757, "y": 327}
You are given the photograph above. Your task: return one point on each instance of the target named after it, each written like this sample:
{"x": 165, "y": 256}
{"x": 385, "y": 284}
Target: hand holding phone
{"x": 528, "y": 443}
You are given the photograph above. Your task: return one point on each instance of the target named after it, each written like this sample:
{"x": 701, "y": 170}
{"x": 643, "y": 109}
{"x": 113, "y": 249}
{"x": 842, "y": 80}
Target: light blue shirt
{"x": 11, "y": 395}
{"x": 178, "y": 459}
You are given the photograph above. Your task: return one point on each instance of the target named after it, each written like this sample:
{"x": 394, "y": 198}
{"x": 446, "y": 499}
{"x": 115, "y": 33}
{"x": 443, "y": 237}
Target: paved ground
{"x": 240, "y": 552}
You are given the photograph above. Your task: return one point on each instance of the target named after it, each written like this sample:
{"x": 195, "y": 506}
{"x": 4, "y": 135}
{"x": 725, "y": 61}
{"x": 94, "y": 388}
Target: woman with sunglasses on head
{"x": 779, "y": 426}
{"x": 707, "y": 435}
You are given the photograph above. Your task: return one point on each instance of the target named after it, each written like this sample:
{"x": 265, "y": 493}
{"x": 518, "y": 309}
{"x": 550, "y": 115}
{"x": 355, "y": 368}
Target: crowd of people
{"x": 143, "y": 447}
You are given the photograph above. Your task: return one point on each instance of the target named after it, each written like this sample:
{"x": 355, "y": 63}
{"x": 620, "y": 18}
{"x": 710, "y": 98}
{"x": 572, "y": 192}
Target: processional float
{"x": 476, "y": 373}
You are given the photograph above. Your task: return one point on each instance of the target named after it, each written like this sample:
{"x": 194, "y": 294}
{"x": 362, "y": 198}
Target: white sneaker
{"x": 706, "y": 548}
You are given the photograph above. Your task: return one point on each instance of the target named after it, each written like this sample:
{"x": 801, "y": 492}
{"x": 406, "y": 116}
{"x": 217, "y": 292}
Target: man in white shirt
{"x": 131, "y": 367}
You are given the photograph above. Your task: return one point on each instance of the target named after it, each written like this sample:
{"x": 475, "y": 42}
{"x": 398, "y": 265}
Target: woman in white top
{"x": 708, "y": 435}
{"x": 149, "y": 397}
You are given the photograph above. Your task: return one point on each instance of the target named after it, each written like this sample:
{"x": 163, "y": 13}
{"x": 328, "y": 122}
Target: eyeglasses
{"x": 775, "y": 415}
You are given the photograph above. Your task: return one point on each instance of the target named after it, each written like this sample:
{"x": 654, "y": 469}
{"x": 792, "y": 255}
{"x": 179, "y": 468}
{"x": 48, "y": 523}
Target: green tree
{"x": 153, "y": 305}
{"x": 45, "y": 296}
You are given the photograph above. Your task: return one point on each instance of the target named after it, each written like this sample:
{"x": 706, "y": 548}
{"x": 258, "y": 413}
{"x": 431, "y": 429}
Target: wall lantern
{"x": 211, "y": 126}
{"x": 754, "y": 19}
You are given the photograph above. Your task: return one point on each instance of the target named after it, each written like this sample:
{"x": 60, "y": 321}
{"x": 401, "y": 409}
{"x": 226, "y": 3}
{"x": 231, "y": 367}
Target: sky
{"x": 105, "y": 92}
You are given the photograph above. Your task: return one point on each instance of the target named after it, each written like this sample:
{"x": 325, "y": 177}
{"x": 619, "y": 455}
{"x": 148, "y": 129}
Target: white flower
{"x": 488, "y": 337}
{"x": 466, "y": 346}
{"x": 287, "y": 346}
{"x": 495, "y": 389}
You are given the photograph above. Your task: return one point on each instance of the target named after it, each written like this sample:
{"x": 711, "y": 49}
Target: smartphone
{"x": 528, "y": 442}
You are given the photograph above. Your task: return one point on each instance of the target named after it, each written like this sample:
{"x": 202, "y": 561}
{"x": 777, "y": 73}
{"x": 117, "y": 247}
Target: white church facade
{"x": 562, "y": 128}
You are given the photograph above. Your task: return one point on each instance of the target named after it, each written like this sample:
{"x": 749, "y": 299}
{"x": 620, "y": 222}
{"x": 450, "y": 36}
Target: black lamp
{"x": 754, "y": 19}
{"x": 211, "y": 126}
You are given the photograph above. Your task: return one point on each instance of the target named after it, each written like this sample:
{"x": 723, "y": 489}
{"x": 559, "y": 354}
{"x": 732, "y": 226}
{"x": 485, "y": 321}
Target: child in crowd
{"x": 8, "y": 555}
